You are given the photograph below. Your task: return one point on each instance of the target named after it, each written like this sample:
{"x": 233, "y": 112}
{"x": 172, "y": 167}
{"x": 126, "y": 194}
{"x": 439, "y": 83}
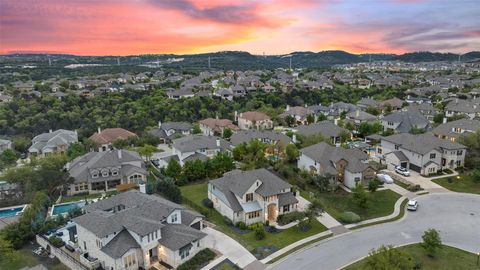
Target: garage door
{"x": 414, "y": 167}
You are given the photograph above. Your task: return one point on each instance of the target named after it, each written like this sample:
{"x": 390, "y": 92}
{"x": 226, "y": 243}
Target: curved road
{"x": 455, "y": 215}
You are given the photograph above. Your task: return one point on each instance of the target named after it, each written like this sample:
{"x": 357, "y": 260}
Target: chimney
{"x": 444, "y": 120}
{"x": 315, "y": 118}
{"x": 216, "y": 116}
{"x": 50, "y": 131}
{"x": 456, "y": 100}
{"x": 357, "y": 113}
{"x": 294, "y": 138}
{"x": 235, "y": 116}
{"x": 306, "y": 105}
{"x": 335, "y": 121}
{"x": 218, "y": 142}
{"x": 288, "y": 108}
{"x": 99, "y": 130}
{"x": 119, "y": 153}
{"x": 159, "y": 124}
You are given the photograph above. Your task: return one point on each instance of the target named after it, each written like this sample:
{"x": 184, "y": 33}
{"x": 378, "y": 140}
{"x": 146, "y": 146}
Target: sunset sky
{"x": 123, "y": 27}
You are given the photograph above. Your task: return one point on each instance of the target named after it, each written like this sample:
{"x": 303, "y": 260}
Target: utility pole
{"x": 209, "y": 62}
{"x": 118, "y": 61}
{"x": 290, "y": 63}
{"x": 49, "y": 61}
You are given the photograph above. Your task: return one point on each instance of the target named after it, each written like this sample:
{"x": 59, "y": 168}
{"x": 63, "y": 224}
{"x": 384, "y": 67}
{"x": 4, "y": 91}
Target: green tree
{"x": 196, "y": 129}
{"x": 167, "y": 188}
{"x": 472, "y": 142}
{"x": 7, "y": 253}
{"x": 431, "y": 241}
{"x": 221, "y": 163}
{"x": 438, "y": 118}
{"x": 193, "y": 170}
{"x": 415, "y": 130}
{"x": 372, "y": 110}
{"x": 310, "y": 119}
{"x": 359, "y": 196}
{"x": 314, "y": 209}
{"x": 251, "y": 155}
{"x": 323, "y": 182}
{"x": 306, "y": 141}
{"x": 290, "y": 120}
{"x": 21, "y": 143}
{"x": 9, "y": 157}
{"x": 227, "y": 133}
{"x": 291, "y": 152}
{"x": 344, "y": 136}
{"x": 173, "y": 169}
{"x": 147, "y": 151}
{"x": 75, "y": 150}
{"x": 373, "y": 185}
{"x": 388, "y": 258}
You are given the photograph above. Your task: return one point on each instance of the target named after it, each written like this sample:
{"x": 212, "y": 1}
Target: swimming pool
{"x": 11, "y": 211}
{"x": 62, "y": 209}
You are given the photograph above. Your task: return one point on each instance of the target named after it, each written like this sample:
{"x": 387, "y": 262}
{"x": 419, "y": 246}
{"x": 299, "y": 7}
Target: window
{"x": 396, "y": 147}
{"x": 174, "y": 218}
{"x": 390, "y": 123}
{"x": 249, "y": 197}
{"x": 253, "y": 214}
{"x": 432, "y": 156}
{"x": 84, "y": 245}
{"x": 105, "y": 173}
{"x": 129, "y": 260}
{"x": 95, "y": 175}
{"x": 185, "y": 252}
{"x": 115, "y": 173}
{"x": 286, "y": 208}
{"x": 459, "y": 152}
{"x": 459, "y": 163}
{"x": 379, "y": 150}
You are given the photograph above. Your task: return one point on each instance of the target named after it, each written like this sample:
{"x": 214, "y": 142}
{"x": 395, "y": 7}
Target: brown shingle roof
{"x": 109, "y": 135}
{"x": 254, "y": 116}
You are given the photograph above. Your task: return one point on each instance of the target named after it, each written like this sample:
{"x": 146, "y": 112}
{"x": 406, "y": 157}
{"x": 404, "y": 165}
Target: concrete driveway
{"x": 455, "y": 215}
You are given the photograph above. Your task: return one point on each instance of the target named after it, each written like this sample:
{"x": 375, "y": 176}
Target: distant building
{"x": 254, "y": 120}
{"x": 215, "y": 126}
{"x": 454, "y": 129}
{"x": 171, "y": 130}
{"x": 404, "y": 122}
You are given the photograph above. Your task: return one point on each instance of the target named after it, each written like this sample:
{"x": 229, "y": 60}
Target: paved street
{"x": 455, "y": 215}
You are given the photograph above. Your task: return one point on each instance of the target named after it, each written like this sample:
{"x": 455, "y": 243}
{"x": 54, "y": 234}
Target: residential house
{"x": 4, "y": 145}
{"x": 106, "y": 137}
{"x": 180, "y": 93}
{"x": 358, "y": 117}
{"x": 365, "y": 103}
{"x": 133, "y": 230}
{"x": 5, "y": 98}
{"x": 97, "y": 172}
{"x": 255, "y": 120}
{"x": 394, "y": 103}
{"x": 56, "y": 141}
{"x": 215, "y": 126}
{"x": 326, "y": 129}
{"x": 252, "y": 196}
{"x": 298, "y": 113}
{"x": 470, "y": 109}
{"x": 454, "y": 129}
{"x": 401, "y": 122}
{"x": 197, "y": 146}
{"x": 171, "y": 130}
{"x": 346, "y": 166}
{"x": 423, "y": 153}
{"x": 425, "y": 109}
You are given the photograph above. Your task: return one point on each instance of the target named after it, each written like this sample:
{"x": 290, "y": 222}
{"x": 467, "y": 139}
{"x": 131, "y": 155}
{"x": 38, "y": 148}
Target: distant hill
{"x": 237, "y": 60}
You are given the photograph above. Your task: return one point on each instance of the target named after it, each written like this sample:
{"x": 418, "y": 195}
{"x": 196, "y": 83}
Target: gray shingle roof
{"x": 176, "y": 236}
{"x": 326, "y": 128}
{"x": 52, "y": 140}
{"x": 408, "y": 120}
{"x": 286, "y": 198}
{"x": 196, "y": 142}
{"x": 120, "y": 244}
{"x": 240, "y": 182}
{"x": 422, "y": 143}
{"x": 466, "y": 125}
{"x": 327, "y": 155}
{"x": 246, "y": 136}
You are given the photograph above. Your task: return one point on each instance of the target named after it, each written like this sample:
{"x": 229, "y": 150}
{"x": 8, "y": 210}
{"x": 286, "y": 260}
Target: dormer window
{"x": 95, "y": 174}
{"x": 174, "y": 218}
{"x": 249, "y": 197}
{"x": 114, "y": 172}
{"x": 104, "y": 173}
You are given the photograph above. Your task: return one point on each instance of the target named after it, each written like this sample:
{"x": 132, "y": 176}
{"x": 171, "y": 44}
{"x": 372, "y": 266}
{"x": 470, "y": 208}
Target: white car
{"x": 412, "y": 205}
{"x": 385, "y": 178}
{"x": 402, "y": 171}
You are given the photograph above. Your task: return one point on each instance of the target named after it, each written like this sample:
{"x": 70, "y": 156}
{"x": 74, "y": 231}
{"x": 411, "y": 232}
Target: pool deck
{"x": 4, "y": 221}
{"x": 50, "y": 209}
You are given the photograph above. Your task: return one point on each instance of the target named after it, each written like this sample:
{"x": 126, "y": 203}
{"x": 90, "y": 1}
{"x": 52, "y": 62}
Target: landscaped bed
{"x": 195, "y": 194}
{"x": 461, "y": 183}
{"x": 446, "y": 258}
{"x": 380, "y": 203}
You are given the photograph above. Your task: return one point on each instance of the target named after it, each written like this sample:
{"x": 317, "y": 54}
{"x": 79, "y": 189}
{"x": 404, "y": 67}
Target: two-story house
{"x": 254, "y": 120}
{"x": 424, "y": 153}
{"x": 325, "y": 128}
{"x": 346, "y": 166}
{"x": 251, "y": 196}
{"x": 468, "y": 108}
{"x": 171, "y": 130}
{"x": 97, "y": 172}
{"x": 56, "y": 141}
{"x": 133, "y": 230}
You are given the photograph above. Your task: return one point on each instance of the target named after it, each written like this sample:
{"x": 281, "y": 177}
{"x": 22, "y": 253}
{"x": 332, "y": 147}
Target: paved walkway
{"x": 230, "y": 248}
{"x": 328, "y": 221}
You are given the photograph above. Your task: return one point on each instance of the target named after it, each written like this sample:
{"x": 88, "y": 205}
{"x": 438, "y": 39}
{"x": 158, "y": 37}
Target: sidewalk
{"x": 396, "y": 212}
{"x": 328, "y": 221}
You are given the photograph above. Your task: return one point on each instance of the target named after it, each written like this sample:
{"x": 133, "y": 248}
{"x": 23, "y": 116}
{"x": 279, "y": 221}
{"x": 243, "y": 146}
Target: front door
{"x": 272, "y": 212}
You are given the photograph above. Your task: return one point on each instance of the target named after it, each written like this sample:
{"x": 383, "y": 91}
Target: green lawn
{"x": 26, "y": 258}
{"x": 196, "y": 193}
{"x": 446, "y": 258}
{"x": 82, "y": 197}
{"x": 464, "y": 183}
{"x": 403, "y": 185}
{"x": 380, "y": 203}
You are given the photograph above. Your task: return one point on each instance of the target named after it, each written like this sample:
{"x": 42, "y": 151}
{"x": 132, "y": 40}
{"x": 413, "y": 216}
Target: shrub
{"x": 373, "y": 185}
{"x": 207, "y": 203}
{"x": 255, "y": 226}
{"x": 267, "y": 223}
{"x": 241, "y": 225}
{"x": 414, "y": 188}
{"x": 290, "y": 217}
{"x": 260, "y": 233}
{"x": 55, "y": 241}
{"x": 198, "y": 261}
{"x": 447, "y": 171}
{"x": 349, "y": 217}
